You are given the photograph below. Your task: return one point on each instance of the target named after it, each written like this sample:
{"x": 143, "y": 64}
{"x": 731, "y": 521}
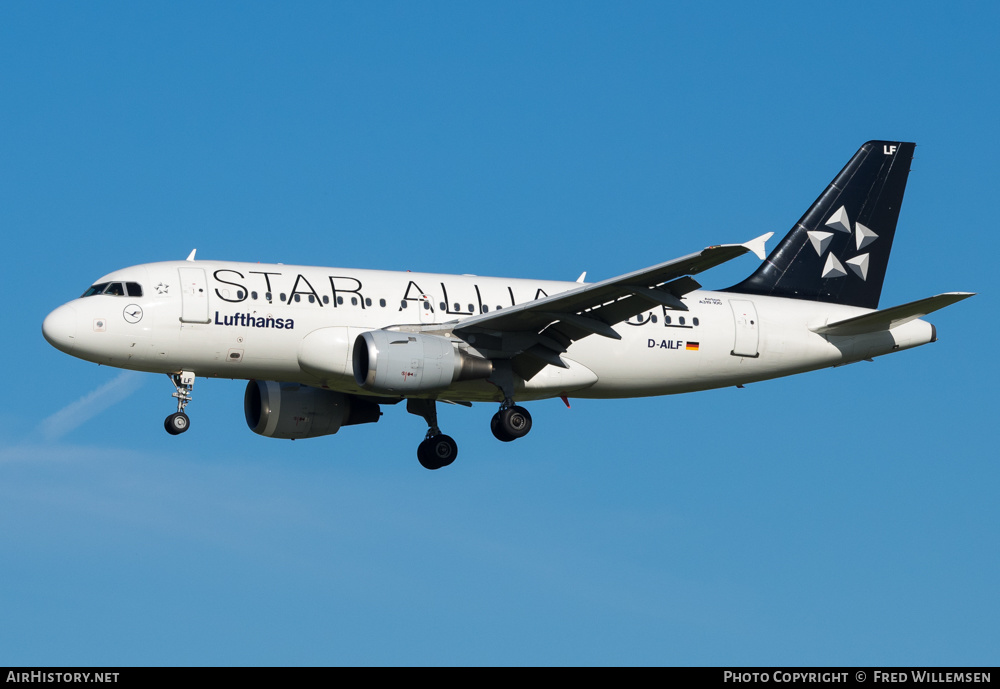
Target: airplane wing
{"x": 535, "y": 333}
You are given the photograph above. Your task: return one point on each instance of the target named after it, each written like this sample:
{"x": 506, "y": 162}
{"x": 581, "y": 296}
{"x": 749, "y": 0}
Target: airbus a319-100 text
{"x": 324, "y": 348}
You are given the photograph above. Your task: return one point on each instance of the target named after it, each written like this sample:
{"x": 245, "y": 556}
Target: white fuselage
{"x": 297, "y": 324}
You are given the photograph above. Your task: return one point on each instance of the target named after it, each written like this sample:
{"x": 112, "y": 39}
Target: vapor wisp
{"x": 87, "y": 407}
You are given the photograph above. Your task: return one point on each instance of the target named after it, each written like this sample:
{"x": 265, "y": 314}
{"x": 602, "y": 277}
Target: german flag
{"x": 691, "y": 346}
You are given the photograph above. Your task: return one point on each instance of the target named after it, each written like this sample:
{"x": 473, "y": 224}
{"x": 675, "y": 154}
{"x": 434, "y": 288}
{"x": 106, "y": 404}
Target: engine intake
{"x": 290, "y": 410}
{"x": 399, "y": 363}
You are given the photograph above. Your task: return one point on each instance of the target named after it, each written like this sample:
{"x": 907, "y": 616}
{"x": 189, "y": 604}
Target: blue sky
{"x": 844, "y": 517}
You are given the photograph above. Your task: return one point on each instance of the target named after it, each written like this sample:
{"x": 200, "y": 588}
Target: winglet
{"x": 757, "y": 245}
{"x": 191, "y": 255}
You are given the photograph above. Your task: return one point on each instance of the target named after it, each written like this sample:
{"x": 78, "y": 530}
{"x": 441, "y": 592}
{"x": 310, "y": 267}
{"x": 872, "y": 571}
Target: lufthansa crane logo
{"x": 132, "y": 313}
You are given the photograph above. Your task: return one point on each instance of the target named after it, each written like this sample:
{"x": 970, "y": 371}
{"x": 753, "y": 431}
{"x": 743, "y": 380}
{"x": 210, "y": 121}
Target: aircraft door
{"x": 194, "y": 295}
{"x": 747, "y": 336}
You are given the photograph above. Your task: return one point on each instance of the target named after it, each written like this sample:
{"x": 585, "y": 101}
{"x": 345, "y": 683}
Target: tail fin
{"x": 839, "y": 250}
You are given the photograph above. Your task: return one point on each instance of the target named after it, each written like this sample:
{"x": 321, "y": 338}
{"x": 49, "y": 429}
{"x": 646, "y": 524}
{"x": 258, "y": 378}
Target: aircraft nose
{"x": 59, "y": 328}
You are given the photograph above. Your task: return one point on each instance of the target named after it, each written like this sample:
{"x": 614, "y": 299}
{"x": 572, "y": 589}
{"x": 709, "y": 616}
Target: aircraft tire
{"x": 515, "y": 422}
{"x": 437, "y": 452}
{"x": 496, "y": 427}
{"x": 177, "y": 423}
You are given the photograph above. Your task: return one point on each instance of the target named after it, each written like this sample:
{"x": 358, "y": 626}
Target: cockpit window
{"x": 96, "y": 289}
{"x": 115, "y": 289}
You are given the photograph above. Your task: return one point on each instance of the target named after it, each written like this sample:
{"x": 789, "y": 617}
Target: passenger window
{"x": 653, "y": 318}
{"x": 253, "y": 295}
{"x": 666, "y": 320}
{"x": 340, "y": 301}
{"x": 368, "y": 301}
{"x": 695, "y": 321}
{"x": 281, "y": 296}
{"x": 402, "y": 304}
{"x": 681, "y": 320}
{"x": 298, "y": 298}
{"x": 381, "y": 302}
{"x": 354, "y": 301}
{"x": 312, "y": 299}
{"x": 326, "y": 299}
{"x": 240, "y": 294}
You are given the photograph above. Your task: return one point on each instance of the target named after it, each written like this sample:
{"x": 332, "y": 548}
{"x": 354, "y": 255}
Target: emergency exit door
{"x": 747, "y": 334}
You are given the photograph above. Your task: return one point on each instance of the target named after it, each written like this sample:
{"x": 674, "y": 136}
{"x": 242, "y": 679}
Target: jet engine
{"x": 399, "y": 363}
{"x": 290, "y": 410}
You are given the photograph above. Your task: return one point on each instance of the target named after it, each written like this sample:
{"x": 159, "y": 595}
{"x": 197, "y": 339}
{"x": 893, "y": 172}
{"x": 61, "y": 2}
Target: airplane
{"x": 324, "y": 348}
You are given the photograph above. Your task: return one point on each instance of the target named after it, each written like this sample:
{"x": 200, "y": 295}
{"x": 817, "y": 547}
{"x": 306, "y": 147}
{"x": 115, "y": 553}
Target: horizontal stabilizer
{"x": 887, "y": 319}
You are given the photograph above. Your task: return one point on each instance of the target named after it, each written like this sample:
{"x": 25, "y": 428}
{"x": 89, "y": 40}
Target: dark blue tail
{"x": 839, "y": 250}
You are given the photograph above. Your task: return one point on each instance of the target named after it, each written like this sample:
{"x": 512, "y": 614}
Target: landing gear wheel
{"x": 177, "y": 423}
{"x": 183, "y": 384}
{"x": 498, "y": 432}
{"x": 437, "y": 452}
{"x": 514, "y": 422}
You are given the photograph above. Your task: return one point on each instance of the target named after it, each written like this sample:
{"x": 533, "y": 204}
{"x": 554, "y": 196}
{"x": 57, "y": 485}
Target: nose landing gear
{"x": 177, "y": 423}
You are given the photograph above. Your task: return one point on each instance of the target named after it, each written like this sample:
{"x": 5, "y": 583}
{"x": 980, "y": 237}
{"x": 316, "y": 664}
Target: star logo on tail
{"x": 821, "y": 239}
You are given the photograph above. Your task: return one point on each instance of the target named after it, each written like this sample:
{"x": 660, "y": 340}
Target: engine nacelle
{"x": 290, "y": 410}
{"x": 399, "y": 363}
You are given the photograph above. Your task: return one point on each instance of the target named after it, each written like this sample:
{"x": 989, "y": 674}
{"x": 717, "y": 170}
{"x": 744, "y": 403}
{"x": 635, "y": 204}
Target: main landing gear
{"x": 437, "y": 450}
{"x": 177, "y": 423}
{"x": 511, "y": 422}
